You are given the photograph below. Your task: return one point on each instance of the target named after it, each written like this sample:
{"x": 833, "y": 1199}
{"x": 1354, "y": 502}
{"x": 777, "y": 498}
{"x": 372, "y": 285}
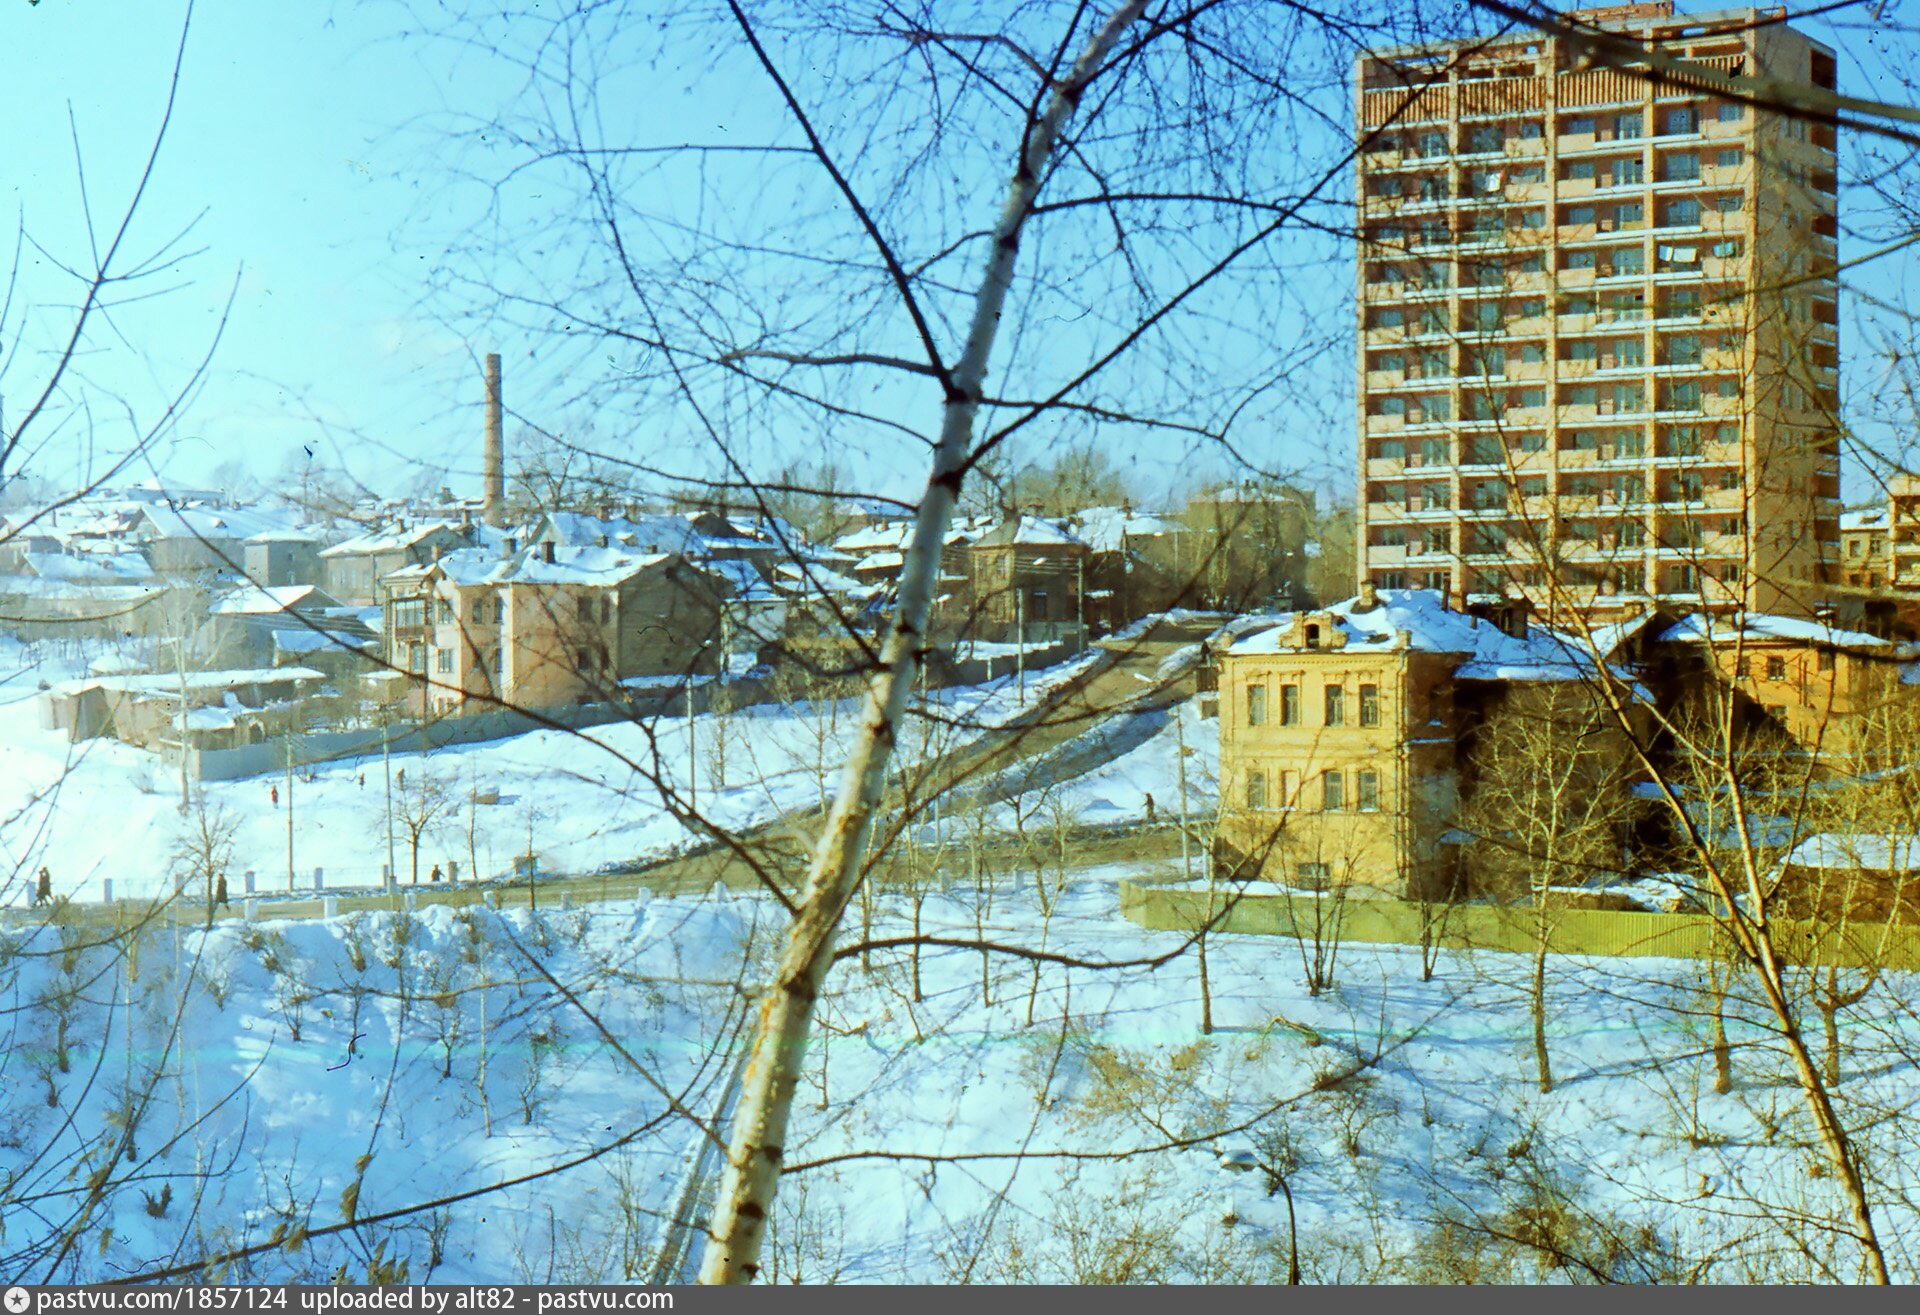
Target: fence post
{"x": 106, "y": 890}
{"x": 410, "y": 899}
{"x": 330, "y": 906}
{"x": 319, "y": 879}
{"x": 246, "y": 880}
{"x": 250, "y": 909}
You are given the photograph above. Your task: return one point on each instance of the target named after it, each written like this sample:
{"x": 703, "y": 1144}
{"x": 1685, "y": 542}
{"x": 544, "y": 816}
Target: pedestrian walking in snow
{"x": 363, "y": 780}
{"x": 220, "y": 890}
{"x": 434, "y": 877}
{"x": 273, "y": 793}
{"x": 43, "y": 891}
{"x": 1149, "y": 809}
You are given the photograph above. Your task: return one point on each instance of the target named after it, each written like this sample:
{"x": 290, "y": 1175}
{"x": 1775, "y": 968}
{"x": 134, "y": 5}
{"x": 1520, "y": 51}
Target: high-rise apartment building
{"x": 1598, "y": 338}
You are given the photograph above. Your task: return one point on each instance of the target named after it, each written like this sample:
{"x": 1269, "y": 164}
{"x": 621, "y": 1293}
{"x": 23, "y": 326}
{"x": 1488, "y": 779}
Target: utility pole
{"x": 720, "y": 726}
{"x": 386, "y": 761}
{"x": 180, "y": 661}
{"x": 1080, "y": 589}
{"x": 693, "y": 762}
{"x": 1020, "y": 628}
{"x": 533, "y": 888}
{"x": 289, "y": 808}
{"x": 1180, "y": 742}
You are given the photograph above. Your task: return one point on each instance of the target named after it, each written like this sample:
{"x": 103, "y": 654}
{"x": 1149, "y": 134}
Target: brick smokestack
{"x": 494, "y": 476}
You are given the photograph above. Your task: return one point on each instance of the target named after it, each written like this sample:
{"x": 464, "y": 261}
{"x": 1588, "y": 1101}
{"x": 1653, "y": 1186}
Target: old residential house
{"x": 1029, "y": 576}
{"x": 548, "y": 626}
{"x": 1343, "y": 733}
{"x": 356, "y": 568}
{"x": 1823, "y": 689}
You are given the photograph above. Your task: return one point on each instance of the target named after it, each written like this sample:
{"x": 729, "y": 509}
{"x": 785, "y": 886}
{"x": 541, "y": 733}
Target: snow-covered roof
{"x": 304, "y": 640}
{"x": 591, "y": 566}
{"x": 208, "y": 719}
{"x": 883, "y": 534}
{"x": 1851, "y": 850}
{"x": 165, "y": 683}
{"x": 1763, "y": 627}
{"x": 1872, "y": 518}
{"x": 1429, "y": 625}
{"x": 881, "y": 561}
{"x": 895, "y": 535}
{"x": 1106, "y": 529}
{"x": 257, "y": 600}
{"x": 1030, "y": 532}
{"x": 581, "y": 566}
{"x": 648, "y": 534}
{"x": 793, "y": 576}
{"x": 104, "y": 568}
{"x": 749, "y": 586}
{"x": 206, "y": 522}
{"x": 1606, "y": 638}
{"x": 394, "y": 538}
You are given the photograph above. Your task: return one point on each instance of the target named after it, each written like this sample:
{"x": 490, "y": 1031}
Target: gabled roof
{"x": 875, "y": 537}
{"x": 600, "y": 567}
{"x": 79, "y": 568}
{"x": 1429, "y": 625}
{"x": 1029, "y": 531}
{"x": 394, "y": 538}
{"x": 1761, "y": 627}
{"x": 647, "y": 534}
{"x": 208, "y": 522}
{"x": 1106, "y": 529}
{"x": 253, "y": 599}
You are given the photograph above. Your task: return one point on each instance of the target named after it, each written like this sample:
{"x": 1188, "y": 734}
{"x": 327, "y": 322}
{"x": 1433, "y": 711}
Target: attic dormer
{"x": 1315, "y": 632}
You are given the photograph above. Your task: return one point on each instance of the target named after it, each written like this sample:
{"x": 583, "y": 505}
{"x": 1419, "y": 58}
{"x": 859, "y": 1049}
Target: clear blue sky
{"x": 284, "y": 133}
{"x": 312, "y": 134}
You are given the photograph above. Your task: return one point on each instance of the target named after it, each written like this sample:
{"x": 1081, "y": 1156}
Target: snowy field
{"x": 285, "y": 1080}
{"x": 101, "y": 810}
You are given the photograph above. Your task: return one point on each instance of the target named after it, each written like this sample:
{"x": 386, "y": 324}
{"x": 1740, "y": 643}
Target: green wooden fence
{"x": 1597, "y": 932}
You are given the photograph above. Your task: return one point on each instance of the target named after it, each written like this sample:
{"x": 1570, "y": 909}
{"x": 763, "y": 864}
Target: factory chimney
{"x": 494, "y": 477}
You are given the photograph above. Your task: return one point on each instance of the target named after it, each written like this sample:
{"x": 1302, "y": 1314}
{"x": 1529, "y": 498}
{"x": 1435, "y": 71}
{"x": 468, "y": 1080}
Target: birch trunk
{"x": 758, "y": 1139}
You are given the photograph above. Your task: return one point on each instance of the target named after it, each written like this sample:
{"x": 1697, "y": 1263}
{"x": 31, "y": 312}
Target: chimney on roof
{"x": 1369, "y": 597}
{"x": 546, "y": 551}
{"x": 494, "y": 477}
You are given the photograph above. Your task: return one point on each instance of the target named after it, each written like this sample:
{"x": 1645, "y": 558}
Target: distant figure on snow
{"x": 1149, "y": 810}
{"x": 435, "y": 875}
{"x": 363, "y": 780}
{"x": 220, "y": 889}
{"x": 273, "y": 793}
{"x": 43, "y": 891}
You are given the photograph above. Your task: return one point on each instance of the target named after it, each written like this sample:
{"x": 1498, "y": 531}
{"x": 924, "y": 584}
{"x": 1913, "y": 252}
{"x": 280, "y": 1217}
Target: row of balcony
{"x": 1621, "y": 184}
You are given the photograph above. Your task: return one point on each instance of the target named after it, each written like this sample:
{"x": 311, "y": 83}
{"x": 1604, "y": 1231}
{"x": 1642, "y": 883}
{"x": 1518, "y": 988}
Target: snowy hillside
{"x": 999, "y": 1124}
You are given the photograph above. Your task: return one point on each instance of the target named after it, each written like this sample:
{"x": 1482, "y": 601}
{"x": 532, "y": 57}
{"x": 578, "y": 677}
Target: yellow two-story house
{"x": 1343, "y": 734}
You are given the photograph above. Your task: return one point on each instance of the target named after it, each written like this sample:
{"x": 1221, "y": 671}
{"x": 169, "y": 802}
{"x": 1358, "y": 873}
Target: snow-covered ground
{"x": 997, "y": 1126}
{"x": 103, "y": 811}
{"x": 365, "y": 1085}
